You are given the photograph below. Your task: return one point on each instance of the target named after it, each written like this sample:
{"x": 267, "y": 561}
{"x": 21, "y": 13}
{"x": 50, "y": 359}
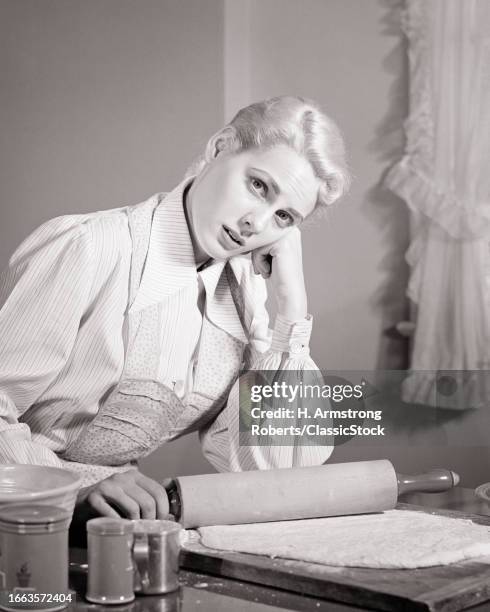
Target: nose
{"x": 253, "y": 222}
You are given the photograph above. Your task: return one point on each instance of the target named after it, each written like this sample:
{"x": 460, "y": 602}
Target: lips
{"x": 233, "y": 236}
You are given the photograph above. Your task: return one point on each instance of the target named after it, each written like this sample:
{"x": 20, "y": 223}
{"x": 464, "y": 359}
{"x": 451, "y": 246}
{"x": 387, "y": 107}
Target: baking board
{"x": 435, "y": 589}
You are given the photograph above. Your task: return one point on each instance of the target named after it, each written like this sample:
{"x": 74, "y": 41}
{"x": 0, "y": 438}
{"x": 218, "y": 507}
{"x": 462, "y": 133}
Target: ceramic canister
{"x": 34, "y": 555}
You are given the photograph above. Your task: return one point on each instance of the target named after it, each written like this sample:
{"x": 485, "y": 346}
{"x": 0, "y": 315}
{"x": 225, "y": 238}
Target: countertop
{"x": 205, "y": 593}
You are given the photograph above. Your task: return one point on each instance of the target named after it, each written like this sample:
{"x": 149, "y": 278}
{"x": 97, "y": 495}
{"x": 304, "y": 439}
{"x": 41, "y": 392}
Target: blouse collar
{"x": 170, "y": 265}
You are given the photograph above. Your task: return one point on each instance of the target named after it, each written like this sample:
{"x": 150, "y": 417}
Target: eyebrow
{"x": 277, "y": 190}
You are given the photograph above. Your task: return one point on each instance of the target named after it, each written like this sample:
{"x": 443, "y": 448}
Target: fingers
{"x": 287, "y": 249}
{"x": 98, "y": 503}
{"x": 147, "y": 506}
{"x": 262, "y": 263}
{"x": 117, "y": 496}
{"x": 255, "y": 263}
{"x": 130, "y": 494}
{"x": 158, "y": 494}
{"x": 167, "y": 483}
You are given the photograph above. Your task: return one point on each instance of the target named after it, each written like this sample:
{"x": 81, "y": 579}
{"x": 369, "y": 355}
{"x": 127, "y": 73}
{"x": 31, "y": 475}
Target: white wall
{"x": 103, "y": 102}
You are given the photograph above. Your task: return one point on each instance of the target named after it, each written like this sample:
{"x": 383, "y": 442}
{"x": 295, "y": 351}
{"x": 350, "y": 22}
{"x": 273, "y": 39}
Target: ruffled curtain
{"x": 444, "y": 177}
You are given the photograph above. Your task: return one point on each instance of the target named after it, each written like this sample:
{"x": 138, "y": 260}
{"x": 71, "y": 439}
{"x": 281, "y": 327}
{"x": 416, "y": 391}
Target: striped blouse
{"x": 63, "y": 303}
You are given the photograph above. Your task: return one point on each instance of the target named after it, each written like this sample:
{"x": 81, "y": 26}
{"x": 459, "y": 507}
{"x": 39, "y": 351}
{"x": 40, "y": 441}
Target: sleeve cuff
{"x": 292, "y": 337}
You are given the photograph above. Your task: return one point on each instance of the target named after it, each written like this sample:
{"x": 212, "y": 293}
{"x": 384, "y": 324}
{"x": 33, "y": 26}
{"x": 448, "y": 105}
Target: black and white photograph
{"x": 245, "y": 305}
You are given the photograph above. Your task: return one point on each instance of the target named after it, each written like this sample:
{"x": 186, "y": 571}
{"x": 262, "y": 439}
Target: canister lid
{"x": 33, "y": 514}
{"x": 109, "y": 526}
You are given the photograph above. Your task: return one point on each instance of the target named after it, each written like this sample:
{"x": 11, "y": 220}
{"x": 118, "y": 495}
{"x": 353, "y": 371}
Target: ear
{"x": 224, "y": 141}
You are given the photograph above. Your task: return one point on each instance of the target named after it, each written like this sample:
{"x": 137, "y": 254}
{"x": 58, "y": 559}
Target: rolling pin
{"x": 296, "y": 493}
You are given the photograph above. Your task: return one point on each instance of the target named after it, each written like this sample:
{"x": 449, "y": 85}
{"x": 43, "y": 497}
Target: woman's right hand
{"x": 129, "y": 494}
{"x": 282, "y": 262}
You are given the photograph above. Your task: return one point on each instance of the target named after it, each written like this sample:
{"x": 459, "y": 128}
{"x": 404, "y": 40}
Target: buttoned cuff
{"x": 292, "y": 337}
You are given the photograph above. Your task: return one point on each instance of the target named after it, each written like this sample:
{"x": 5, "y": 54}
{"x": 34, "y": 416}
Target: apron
{"x": 141, "y": 413}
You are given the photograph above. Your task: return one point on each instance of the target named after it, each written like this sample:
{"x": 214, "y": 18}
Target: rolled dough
{"x": 394, "y": 539}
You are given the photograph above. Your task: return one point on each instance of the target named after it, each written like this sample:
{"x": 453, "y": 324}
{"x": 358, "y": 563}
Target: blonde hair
{"x": 298, "y": 123}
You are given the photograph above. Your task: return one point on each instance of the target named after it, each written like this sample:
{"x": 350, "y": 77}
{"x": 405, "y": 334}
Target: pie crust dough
{"x": 400, "y": 539}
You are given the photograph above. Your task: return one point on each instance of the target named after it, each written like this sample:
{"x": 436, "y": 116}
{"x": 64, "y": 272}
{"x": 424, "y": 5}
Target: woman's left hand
{"x": 282, "y": 262}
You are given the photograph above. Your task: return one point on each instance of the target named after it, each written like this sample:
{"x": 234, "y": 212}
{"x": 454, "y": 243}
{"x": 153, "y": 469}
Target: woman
{"x": 126, "y": 328}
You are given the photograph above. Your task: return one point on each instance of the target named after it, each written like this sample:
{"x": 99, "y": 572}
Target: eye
{"x": 259, "y": 186}
{"x": 285, "y": 217}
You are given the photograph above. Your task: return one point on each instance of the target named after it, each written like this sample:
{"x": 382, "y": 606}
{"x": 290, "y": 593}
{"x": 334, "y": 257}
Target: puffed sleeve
{"x": 284, "y": 349}
{"x": 43, "y": 295}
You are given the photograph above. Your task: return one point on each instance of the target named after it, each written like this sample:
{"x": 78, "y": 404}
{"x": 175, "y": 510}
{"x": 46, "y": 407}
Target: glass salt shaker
{"x": 110, "y": 564}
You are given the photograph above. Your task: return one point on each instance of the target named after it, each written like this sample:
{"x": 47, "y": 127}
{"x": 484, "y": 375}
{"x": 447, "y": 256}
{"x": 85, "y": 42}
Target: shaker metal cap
{"x": 109, "y": 526}
{"x": 156, "y": 526}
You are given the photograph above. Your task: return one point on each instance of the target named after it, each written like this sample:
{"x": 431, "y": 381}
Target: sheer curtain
{"x": 444, "y": 177}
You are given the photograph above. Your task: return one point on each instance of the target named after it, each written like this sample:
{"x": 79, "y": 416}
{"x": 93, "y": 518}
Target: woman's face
{"x": 246, "y": 200}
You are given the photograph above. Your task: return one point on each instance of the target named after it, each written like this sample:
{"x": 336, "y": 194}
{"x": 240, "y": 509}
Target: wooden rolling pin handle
{"x": 434, "y": 481}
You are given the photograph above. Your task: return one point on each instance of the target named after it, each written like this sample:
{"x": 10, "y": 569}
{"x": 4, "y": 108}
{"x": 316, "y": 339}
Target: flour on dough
{"x": 394, "y": 539}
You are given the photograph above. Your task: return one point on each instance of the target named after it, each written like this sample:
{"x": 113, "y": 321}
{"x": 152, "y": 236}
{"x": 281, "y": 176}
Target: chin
{"x": 216, "y": 251}
{"x": 223, "y": 255}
